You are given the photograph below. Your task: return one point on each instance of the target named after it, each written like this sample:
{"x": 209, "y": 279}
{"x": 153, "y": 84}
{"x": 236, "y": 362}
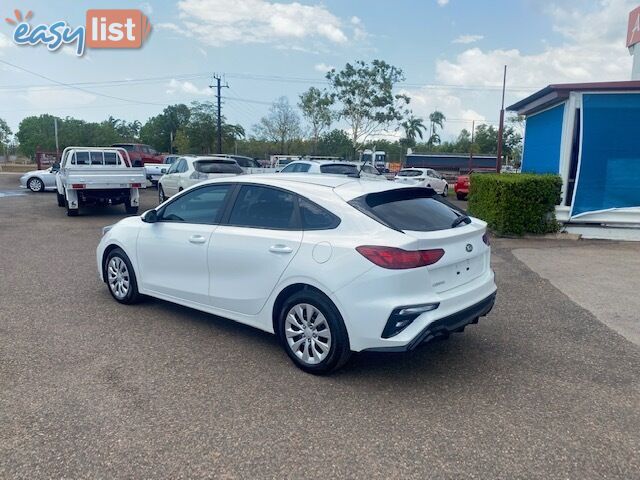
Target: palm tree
{"x": 413, "y": 128}
{"x": 437, "y": 119}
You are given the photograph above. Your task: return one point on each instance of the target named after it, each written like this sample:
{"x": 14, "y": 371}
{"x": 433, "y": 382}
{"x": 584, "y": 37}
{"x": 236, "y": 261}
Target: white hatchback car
{"x": 423, "y": 177}
{"x": 189, "y": 170}
{"x": 329, "y": 264}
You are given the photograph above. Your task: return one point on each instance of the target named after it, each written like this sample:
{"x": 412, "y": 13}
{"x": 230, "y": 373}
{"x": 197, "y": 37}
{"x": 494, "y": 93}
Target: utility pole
{"x": 55, "y": 128}
{"x": 473, "y": 131}
{"x": 219, "y": 86}
{"x": 501, "y": 126}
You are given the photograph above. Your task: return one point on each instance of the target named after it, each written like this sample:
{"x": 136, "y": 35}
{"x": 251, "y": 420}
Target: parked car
{"x": 98, "y": 176}
{"x": 367, "y": 170}
{"x": 461, "y": 187}
{"x": 329, "y": 264}
{"x": 188, "y": 171}
{"x": 139, "y": 153}
{"x": 423, "y": 177}
{"x": 40, "y": 180}
{"x": 156, "y": 170}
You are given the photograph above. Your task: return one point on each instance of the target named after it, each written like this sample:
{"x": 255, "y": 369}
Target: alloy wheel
{"x": 307, "y": 333}
{"x": 118, "y": 277}
{"x": 35, "y": 185}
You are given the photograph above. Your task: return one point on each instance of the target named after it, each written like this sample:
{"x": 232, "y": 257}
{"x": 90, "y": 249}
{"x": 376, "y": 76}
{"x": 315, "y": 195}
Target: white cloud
{"x": 52, "y": 98}
{"x": 425, "y": 100}
{"x": 359, "y": 32}
{"x": 323, "y": 67}
{"x": 468, "y": 39}
{"x": 187, "y": 87}
{"x": 442, "y": 3}
{"x": 146, "y": 8}
{"x": 218, "y": 22}
{"x": 592, "y": 50}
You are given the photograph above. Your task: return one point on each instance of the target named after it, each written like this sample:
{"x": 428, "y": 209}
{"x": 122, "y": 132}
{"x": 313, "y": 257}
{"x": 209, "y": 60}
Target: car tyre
{"x": 71, "y": 212}
{"x": 161, "y": 195}
{"x": 130, "y": 209}
{"x": 445, "y": 191}
{"x": 312, "y": 332}
{"x": 120, "y": 277}
{"x": 461, "y": 196}
{"x": 61, "y": 200}
{"x": 35, "y": 185}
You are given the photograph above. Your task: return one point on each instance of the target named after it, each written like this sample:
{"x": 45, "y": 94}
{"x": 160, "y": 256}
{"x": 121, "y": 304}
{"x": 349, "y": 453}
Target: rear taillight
{"x": 136, "y": 185}
{"x": 198, "y": 176}
{"x": 485, "y": 239}
{"x": 399, "y": 259}
{"x": 77, "y": 186}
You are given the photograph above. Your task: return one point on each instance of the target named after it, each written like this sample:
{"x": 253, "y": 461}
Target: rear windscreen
{"x": 339, "y": 169}
{"x": 409, "y": 173}
{"x": 216, "y": 166}
{"x": 417, "y": 209}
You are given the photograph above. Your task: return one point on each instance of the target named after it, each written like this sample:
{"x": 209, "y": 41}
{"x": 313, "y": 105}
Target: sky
{"x": 452, "y": 53}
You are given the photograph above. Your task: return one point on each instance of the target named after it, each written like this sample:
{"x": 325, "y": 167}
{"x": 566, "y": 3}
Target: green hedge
{"x": 515, "y": 204}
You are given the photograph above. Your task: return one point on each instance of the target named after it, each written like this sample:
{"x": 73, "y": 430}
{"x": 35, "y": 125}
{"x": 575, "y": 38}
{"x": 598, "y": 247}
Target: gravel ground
{"x": 93, "y": 389}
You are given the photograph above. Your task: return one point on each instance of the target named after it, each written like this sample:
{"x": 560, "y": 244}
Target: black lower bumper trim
{"x": 445, "y": 326}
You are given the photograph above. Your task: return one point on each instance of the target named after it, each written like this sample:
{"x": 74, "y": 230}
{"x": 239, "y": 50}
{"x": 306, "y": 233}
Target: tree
{"x": 159, "y": 130}
{"x": 413, "y": 128}
{"x": 5, "y": 132}
{"x": 335, "y": 143}
{"x": 436, "y": 119}
{"x": 316, "y": 109}
{"x": 366, "y": 100}
{"x": 281, "y": 125}
{"x": 34, "y": 132}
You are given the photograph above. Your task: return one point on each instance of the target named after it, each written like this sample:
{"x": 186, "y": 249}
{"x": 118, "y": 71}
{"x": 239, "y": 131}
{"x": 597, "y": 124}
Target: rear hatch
{"x": 431, "y": 223}
{"x": 409, "y": 177}
{"x": 215, "y": 168}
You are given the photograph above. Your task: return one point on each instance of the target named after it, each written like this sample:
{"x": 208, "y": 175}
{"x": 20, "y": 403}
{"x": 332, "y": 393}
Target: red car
{"x": 140, "y": 153}
{"x": 462, "y": 187}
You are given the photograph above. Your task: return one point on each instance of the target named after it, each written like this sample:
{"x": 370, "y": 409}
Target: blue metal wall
{"x": 543, "y": 135}
{"x": 609, "y": 172}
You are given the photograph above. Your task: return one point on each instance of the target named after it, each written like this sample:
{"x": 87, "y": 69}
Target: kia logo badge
{"x": 469, "y": 247}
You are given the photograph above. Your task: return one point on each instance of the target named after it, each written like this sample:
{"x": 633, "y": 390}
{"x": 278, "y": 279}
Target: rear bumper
{"x": 445, "y": 326}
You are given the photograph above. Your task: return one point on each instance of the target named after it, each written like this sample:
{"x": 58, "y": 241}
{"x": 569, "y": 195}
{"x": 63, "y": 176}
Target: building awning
{"x": 558, "y": 93}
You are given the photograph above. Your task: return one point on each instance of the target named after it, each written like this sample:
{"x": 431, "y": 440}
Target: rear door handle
{"x": 197, "y": 239}
{"x": 280, "y": 249}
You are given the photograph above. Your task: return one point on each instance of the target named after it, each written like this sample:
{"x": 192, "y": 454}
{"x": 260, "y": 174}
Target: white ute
{"x": 98, "y": 176}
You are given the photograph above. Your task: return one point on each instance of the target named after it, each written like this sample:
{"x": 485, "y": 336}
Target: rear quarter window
{"x": 416, "y": 209}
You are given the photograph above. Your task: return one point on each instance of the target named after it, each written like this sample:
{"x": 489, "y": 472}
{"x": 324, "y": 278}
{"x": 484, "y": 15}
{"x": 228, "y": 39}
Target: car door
{"x": 252, "y": 247}
{"x": 170, "y": 179}
{"x": 185, "y": 168}
{"x": 172, "y": 252}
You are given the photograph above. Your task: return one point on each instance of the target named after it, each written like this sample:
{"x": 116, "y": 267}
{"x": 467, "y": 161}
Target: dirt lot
{"x": 93, "y": 389}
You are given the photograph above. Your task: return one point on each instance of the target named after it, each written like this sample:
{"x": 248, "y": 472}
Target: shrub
{"x": 514, "y": 204}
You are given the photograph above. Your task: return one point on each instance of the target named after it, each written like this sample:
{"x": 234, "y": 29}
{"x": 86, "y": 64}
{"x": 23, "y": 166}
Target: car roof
{"x": 347, "y": 188}
{"x": 195, "y": 158}
{"x": 326, "y": 162}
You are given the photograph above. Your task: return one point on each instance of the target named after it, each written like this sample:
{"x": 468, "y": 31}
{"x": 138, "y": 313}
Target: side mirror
{"x": 150, "y": 216}
{"x": 55, "y": 167}
{"x": 163, "y": 170}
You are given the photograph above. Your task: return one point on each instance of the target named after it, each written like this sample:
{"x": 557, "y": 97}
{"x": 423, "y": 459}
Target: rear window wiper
{"x": 460, "y": 219}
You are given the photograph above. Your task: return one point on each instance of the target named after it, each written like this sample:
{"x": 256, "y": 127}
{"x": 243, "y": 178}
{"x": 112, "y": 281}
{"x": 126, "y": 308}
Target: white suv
{"x": 329, "y": 264}
{"x": 189, "y": 170}
{"x": 332, "y": 167}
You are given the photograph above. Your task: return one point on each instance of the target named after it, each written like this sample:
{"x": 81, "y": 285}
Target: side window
{"x": 303, "y": 167}
{"x": 202, "y": 205}
{"x": 264, "y": 207}
{"x": 315, "y": 217}
{"x": 175, "y": 166}
{"x": 183, "y": 166}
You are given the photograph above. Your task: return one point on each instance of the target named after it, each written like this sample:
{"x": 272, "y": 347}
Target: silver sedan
{"x": 39, "y": 180}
